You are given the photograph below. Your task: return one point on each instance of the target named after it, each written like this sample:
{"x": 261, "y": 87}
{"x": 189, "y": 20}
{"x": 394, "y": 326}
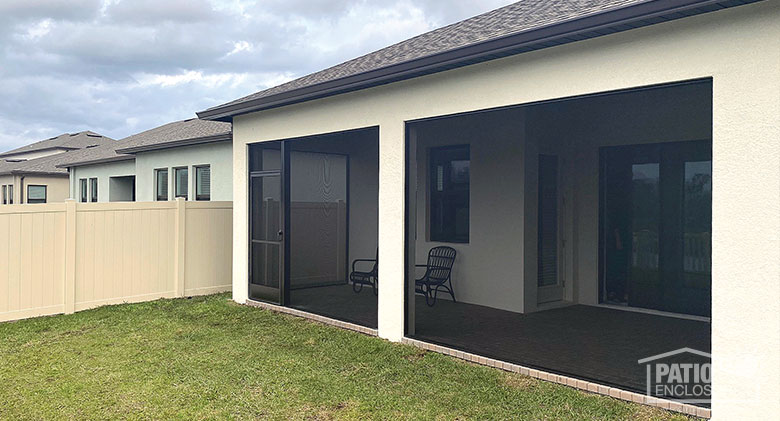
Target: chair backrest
{"x": 375, "y": 270}
{"x": 440, "y": 261}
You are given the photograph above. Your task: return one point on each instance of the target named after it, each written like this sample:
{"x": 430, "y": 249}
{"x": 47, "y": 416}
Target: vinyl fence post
{"x": 179, "y": 246}
{"x": 70, "y": 256}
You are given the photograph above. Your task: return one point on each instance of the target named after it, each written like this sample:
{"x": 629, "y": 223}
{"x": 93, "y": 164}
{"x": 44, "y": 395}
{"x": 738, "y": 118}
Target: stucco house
{"x": 31, "y": 173}
{"x": 189, "y": 158}
{"x": 603, "y": 174}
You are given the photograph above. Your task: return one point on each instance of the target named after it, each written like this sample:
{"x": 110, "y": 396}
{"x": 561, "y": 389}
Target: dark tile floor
{"x": 338, "y": 302}
{"x": 586, "y": 342}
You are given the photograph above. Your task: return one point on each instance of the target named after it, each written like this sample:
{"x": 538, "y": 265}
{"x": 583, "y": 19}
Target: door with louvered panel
{"x": 548, "y": 279}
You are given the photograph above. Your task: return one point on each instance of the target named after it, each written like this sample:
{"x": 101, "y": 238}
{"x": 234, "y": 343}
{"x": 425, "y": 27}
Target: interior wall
{"x": 318, "y": 219}
{"x": 120, "y": 189}
{"x": 362, "y": 147}
{"x": 504, "y": 184}
{"x": 488, "y": 270}
{"x": 576, "y": 130}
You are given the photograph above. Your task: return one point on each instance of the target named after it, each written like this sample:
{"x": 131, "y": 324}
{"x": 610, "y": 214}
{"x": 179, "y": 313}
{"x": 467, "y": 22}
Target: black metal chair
{"x": 359, "y": 278}
{"x": 438, "y": 274}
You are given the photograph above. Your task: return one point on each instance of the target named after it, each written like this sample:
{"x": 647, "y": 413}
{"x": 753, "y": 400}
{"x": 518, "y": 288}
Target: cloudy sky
{"x": 119, "y": 67}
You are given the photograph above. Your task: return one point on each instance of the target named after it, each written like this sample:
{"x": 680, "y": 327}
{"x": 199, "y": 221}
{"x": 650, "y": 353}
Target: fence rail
{"x": 66, "y": 257}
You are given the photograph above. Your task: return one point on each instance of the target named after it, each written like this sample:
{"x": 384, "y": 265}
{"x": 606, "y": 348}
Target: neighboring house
{"x": 101, "y": 175}
{"x": 31, "y": 174}
{"x": 607, "y": 172}
{"x": 190, "y": 158}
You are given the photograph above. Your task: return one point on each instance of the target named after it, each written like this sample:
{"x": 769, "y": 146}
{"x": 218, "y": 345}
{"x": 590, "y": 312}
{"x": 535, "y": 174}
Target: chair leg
{"x": 375, "y": 287}
{"x": 452, "y": 292}
{"x": 430, "y": 296}
{"x": 357, "y": 287}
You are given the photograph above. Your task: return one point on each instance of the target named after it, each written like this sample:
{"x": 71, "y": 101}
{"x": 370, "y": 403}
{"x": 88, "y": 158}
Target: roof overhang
{"x": 17, "y": 152}
{"x": 97, "y": 161}
{"x": 38, "y": 173}
{"x": 604, "y": 23}
{"x": 177, "y": 143}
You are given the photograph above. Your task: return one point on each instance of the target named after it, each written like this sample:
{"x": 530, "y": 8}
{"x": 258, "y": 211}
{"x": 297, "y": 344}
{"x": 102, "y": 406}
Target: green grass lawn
{"x": 209, "y": 358}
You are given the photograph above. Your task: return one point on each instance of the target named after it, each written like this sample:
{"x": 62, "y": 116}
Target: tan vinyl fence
{"x": 66, "y": 257}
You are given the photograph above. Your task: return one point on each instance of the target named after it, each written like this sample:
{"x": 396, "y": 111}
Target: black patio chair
{"x": 438, "y": 274}
{"x": 359, "y": 278}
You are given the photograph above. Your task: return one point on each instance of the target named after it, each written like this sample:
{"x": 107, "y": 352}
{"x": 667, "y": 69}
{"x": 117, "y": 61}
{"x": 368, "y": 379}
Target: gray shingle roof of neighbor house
{"x": 68, "y": 141}
{"x": 519, "y": 27}
{"x": 97, "y": 155}
{"x": 178, "y": 133}
{"x": 47, "y": 165}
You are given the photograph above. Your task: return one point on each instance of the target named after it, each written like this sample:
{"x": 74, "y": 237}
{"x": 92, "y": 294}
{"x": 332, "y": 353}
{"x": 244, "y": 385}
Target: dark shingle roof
{"x": 96, "y": 155}
{"x": 47, "y": 165}
{"x": 516, "y": 28}
{"x": 68, "y": 141}
{"x": 178, "y": 133}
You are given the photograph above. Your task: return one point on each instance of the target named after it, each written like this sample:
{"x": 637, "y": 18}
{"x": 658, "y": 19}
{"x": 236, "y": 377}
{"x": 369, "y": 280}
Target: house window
{"x": 180, "y": 181}
{"x": 36, "y": 194}
{"x": 449, "y": 194}
{"x": 5, "y": 195}
{"x": 203, "y": 182}
{"x": 161, "y": 177}
{"x": 93, "y": 189}
{"x": 10, "y": 194}
{"x": 83, "y": 192}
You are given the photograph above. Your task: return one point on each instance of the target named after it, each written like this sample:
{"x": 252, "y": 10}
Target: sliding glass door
{"x": 656, "y": 226}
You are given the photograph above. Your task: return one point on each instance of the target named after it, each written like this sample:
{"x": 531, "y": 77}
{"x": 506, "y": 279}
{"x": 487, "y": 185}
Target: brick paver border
{"x": 583, "y": 385}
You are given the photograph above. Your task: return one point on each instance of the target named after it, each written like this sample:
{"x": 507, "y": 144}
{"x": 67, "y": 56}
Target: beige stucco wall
{"x": 736, "y": 47}
{"x": 57, "y": 188}
{"x": 7, "y": 180}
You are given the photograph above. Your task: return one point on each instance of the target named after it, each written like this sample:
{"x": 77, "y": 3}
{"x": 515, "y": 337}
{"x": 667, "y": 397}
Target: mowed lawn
{"x": 209, "y": 358}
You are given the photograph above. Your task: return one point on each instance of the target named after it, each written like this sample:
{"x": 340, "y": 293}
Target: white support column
{"x": 411, "y": 229}
{"x": 391, "y": 230}
{"x": 746, "y": 243}
{"x": 240, "y": 224}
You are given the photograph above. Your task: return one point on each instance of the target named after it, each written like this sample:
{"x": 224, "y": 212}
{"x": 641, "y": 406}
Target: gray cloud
{"x": 69, "y": 10}
{"x": 152, "y": 12}
{"x": 121, "y": 66}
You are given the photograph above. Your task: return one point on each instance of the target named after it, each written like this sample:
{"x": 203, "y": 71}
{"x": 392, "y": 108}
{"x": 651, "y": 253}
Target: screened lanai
{"x": 579, "y": 231}
{"x": 313, "y": 212}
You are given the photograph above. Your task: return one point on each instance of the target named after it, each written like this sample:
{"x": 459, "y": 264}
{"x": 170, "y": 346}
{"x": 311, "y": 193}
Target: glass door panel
{"x": 697, "y": 225}
{"x": 657, "y": 226}
{"x": 644, "y": 223}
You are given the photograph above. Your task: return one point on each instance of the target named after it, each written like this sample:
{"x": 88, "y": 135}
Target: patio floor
{"x": 590, "y": 343}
